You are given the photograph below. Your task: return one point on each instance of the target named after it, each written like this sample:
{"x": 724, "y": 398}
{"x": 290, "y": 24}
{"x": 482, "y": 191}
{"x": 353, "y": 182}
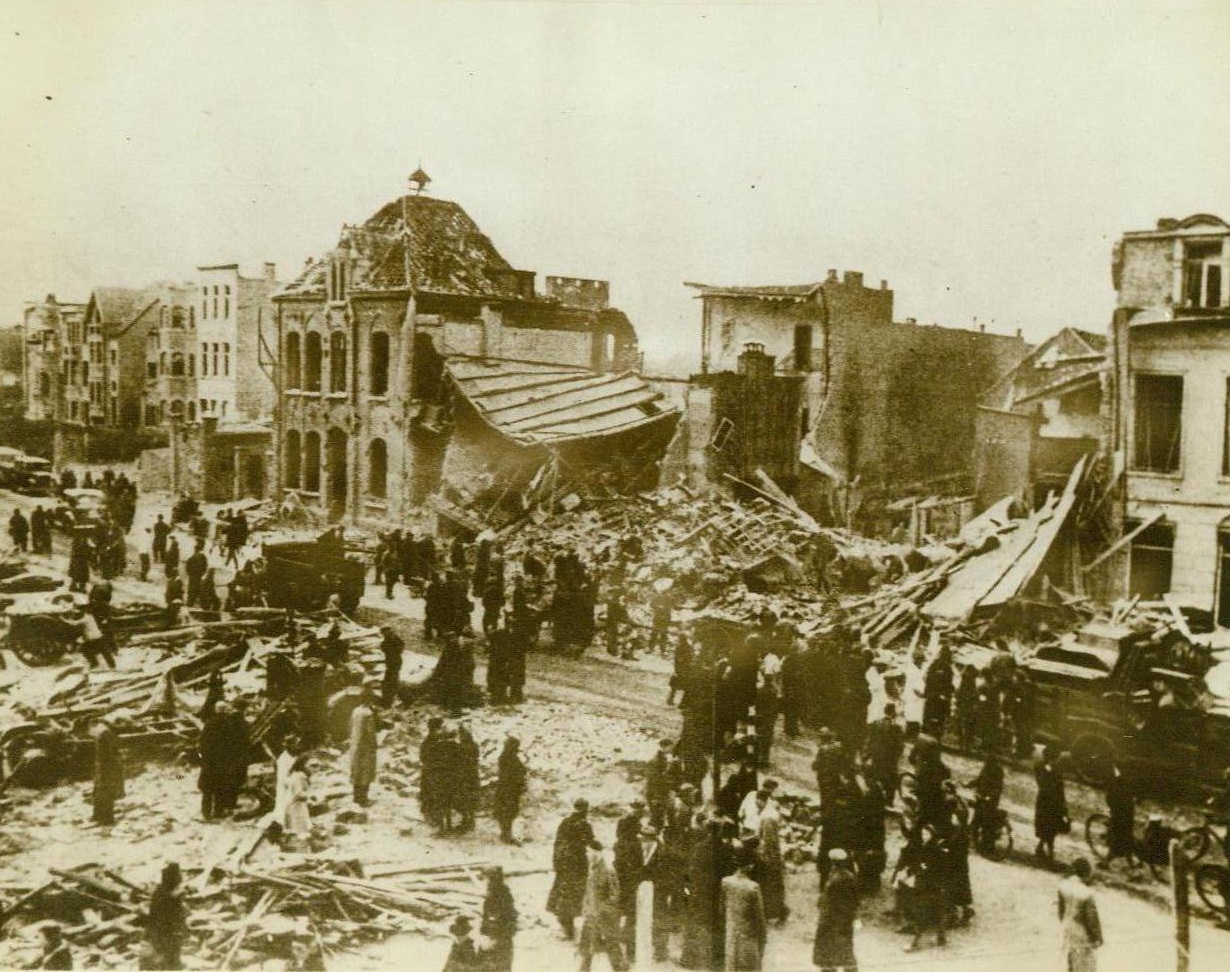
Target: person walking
{"x": 108, "y": 772}
{"x": 833, "y": 950}
{"x": 212, "y": 750}
{"x": 509, "y": 788}
{"x": 170, "y": 558}
{"x": 1078, "y": 917}
{"x": 1121, "y": 804}
{"x": 431, "y": 771}
{"x": 600, "y": 912}
{"x": 468, "y": 786}
{"x": 1050, "y": 805}
{"x": 362, "y": 749}
{"x": 392, "y": 646}
{"x": 166, "y": 921}
{"x": 571, "y": 864}
{"x": 746, "y": 930}
{"x": 19, "y": 530}
{"x": 194, "y": 568}
{"x": 158, "y": 547}
{"x": 499, "y": 922}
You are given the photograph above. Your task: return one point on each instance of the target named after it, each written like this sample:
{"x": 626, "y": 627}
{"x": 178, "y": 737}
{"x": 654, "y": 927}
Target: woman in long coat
{"x": 834, "y": 945}
{"x": 362, "y": 750}
{"x": 108, "y": 772}
{"x": 1050, "y": 806}
{"x": 746, "y": 930}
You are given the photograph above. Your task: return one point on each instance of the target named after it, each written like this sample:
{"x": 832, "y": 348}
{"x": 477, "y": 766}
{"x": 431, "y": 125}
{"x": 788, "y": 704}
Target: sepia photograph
{"x": 568, "y": 485}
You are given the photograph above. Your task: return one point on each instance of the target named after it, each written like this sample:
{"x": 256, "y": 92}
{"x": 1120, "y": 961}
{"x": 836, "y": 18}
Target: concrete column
{"x": 1177, "y": 268}
{"x": 493, "y": 331}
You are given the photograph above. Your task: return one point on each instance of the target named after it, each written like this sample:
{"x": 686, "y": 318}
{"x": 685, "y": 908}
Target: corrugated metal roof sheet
{"x": 543, "y": 404}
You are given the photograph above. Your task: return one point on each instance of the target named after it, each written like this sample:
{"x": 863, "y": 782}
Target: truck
{"x": 1112, "y": 695}
{"x": 303, "y": 574}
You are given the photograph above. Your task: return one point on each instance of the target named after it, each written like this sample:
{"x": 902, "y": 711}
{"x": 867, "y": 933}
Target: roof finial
{"x": 419, "y": 180}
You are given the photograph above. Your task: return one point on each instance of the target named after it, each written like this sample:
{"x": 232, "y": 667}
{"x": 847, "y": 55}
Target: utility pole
{"x": 1182, "y": 915}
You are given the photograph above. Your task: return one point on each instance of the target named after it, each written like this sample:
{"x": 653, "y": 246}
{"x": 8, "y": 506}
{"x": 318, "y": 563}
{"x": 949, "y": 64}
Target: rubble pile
{"x": 251, "y": 915}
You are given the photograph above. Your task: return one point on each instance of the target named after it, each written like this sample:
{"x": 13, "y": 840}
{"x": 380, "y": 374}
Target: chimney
{"x": 1167, "y": 223}
{"x": 754, "y": 363}
{"x": 1018, "y": 332}
{"x": 270, "y": 271}
{"x": 884, "y": 285}
{"x": 832, "y": 276}
{"x": 854, "y": 278}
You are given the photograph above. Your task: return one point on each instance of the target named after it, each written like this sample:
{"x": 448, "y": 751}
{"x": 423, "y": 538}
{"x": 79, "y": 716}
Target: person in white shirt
{"x": 755, "y": 805}
{"x": 913, "y": 694}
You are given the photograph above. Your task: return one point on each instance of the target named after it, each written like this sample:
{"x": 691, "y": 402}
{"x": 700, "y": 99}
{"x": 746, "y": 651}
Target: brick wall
{"x": 1146, "y": 274}
{"x": 1002, "y": 456}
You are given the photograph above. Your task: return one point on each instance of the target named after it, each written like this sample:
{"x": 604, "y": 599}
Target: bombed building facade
{"x": 1041, "y": 417}
{"x": 1171, "y": 419}
{"x": 410, "y": 330}
{"x": 884, "y": 407}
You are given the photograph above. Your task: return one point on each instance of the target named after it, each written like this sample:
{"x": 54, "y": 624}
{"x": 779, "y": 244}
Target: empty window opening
{"x": 1158, "y": 428}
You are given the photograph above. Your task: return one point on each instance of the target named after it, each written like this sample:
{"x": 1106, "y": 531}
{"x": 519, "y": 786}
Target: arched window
{"x": 162, "y": 363}
{"x": 378, "y": 469}
{"x": 191, "y": 365}
{"x": 151, "y": 414}
{"x": 311, "y": 461}
{"x": 337, "y": 361}
{"x": 177, "y": 410}
{"x": 293, "y": 362}
{"x": 294, "y": 459}
{"x": 312, "y": 358}
{"x": 379, "y": 368}
{"x": 177, "y": 364}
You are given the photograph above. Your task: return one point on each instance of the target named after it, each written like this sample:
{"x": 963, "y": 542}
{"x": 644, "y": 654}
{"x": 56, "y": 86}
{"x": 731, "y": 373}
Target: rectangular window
{"x": 1158, "y": 432}
{"x": 1202, "y": 275}
{"x": 204, "y": 359}
{"x": 226, "y": 358}
{"x": 215, "y": 304}
{"x": 151, "y": 369}
{"x": 1212, "y": 285}
{"x": 214, "y": 364}
{"x": 1152, "y": 560}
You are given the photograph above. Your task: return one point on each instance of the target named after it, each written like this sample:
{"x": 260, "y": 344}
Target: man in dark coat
{"x": 499, "y": 924}
{"x": 884, "y": 745}
{"x": 170, "y": 559}
{"x": 661, "y": 777}
{"x": 509, "y": 788}
{"x": 468, "y": 781}
{"x": 834, "y": 946}
{"x": 212, "y": 750}
{"x": 392, "y": 646}
{"x": 937, "y": 694}
{"x": 431, "y": 795}
{"x": 158, "y": 548}
{"x": 194, "y": 568}
{"x": 571, "y": 864}
{"x": 1121, "y": 803}
{"x": 703, "y": 935}
{"x": 1050, "y": 805}
{"x": 19, "y": 529}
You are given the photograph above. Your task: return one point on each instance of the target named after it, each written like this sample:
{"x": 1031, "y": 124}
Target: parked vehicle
{"x": 80, "y": 508}
{"x": 1114, "y": 696}
{"x": 32, "y": 476}
{"x": 302, "y": 575}
{"x": 8, "y": 465}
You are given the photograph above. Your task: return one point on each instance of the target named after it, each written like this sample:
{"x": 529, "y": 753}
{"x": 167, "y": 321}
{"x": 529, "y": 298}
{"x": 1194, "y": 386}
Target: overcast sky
{"x": 982, "y": 157}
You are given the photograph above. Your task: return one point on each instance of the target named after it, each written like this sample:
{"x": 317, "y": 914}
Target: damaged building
{"x": 883, "y": 412}
{"x": 1171, "y": 416}
{"x": 1036, "y": 422}
{"x": 413, "y": 337}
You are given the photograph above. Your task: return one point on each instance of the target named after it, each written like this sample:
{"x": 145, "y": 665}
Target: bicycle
{"x": 907, "y": 798}
{"x": 1213, "y": 885}
{"x": 992, "y": 838}
{"x": 1152, "y": 847}
{"x": 1196, "y": 841}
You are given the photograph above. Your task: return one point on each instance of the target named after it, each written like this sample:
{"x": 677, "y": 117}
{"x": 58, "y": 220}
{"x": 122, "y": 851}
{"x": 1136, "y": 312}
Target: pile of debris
{"x": 249, "y": 915}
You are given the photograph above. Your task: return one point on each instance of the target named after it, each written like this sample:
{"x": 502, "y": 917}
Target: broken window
{"x": 379, "y": 368}
{"x": 721, "y": 435}
{"x": 311, "y": 461}
{"x": 1202, "y": 275}
{"x": 802, "y": 347}
{"x": 1152, "y": 560}
{"x": 1158, "y": 423}
{"x": 378, "y": 469}
{"x": 312, "y": 358}
{"x": 337, "y": 361}
{"x": 294, "y": 459}
{"x": 293, "y": 363}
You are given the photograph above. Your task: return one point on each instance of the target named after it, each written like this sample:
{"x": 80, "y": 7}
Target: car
{"x": 8, "y": 465}
{"x": 32, "y": 476}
